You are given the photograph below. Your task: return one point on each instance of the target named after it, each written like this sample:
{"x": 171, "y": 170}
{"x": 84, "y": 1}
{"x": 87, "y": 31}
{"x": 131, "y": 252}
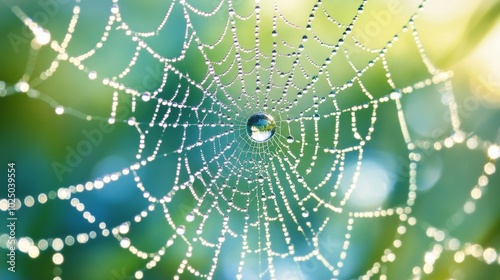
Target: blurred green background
{"x": 462, "y": 37}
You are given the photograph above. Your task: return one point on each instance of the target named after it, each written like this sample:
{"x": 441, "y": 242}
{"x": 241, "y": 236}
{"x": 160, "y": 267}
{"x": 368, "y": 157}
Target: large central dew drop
{"x": 261, "y": 127}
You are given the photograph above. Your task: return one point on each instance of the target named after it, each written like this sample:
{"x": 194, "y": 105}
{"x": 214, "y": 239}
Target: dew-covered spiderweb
{"x": 245, "y": 140}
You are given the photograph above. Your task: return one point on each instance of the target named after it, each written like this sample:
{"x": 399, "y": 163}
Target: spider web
{"x": 299, "y": 205}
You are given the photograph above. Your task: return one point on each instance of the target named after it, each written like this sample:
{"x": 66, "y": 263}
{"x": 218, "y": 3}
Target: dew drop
{"x": 125, "y": 243}
{"x": 124, "y": 228}
{"x": 316, "y": 117}
{"x": 305, "y": 214}
{"x": 181, "y": 230}
{"x": 131, "y": 121}
{"x": 396, "y": 94}
{"x": 42, "y": 36}
{"x": 261, "y": 127}
{"x": 260, "y": 179}
{"x": 190, "y": 217}
{"x": 59, "y": 110}
{"x": 290, "y": 139}
{"x": 22, "y": 86}
{"x": 114, "y": 8}
{"x": 92, "y": 75}
{"x": 221, "y": 238}
{"x": 170, "y": 242}
{"x": 146, "y": 96}
{"x": 494, "y": 152}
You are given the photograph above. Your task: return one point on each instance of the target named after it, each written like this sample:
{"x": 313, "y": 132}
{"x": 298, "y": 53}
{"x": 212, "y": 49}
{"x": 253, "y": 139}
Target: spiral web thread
{"x": 268, "y": 202}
